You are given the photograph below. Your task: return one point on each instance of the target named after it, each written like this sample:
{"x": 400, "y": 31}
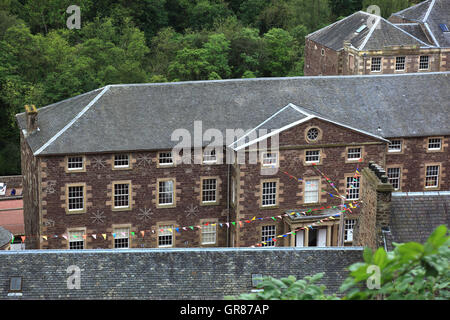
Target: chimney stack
{"x": 375, "y": 197}
{"x": 32, "y": 113}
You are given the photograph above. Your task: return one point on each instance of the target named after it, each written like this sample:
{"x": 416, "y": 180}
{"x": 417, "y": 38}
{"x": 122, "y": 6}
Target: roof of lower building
{"x": 364, "y": 31}
{"x": 206, "y": 273}
{"x": 145, "y": 116}
{"x": 415, "y": 215}
{"x": 431, "y": 14}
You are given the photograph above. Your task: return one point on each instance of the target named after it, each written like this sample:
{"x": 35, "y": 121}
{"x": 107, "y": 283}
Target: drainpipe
{"x": 228, "y": 200}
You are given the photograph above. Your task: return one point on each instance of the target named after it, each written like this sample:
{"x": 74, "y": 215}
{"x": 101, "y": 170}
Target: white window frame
{"x": 433, "y": 175}
{"x": 75, "y": 197}
{"x": 120, "y": 235}
{"x": 165, "y": 233}
{"x": 269, "y": 193}
{"x": 208, "y": 231}
{"x": 432, "y": 141}
{"x": 166, "y": 157}
{"x": 372, "y": 64}
{"x": 116, "y": 194}
{"x": 269, "y": 159}
{"x": 352, "y": 193}
{"x": 349, "y": 226}
{"x": 311, "y": 188}
{"x": 397, "y": 63}
{"x": 171, "y": 192}
{"x": 209, "y": 190}
{"x": 268, "y": 232}
{"x": 209, "y": 156}
{"x": 78, "y": 233}
{"x": 119, "y": 158}
{"x": 394, "y": 175}
{"x": 312, "y": 161}
{"x": 69, "y": 162}
{"x": 422, "y": 62}
{"x": 398, "y": 143}
{"x": 351, "y": 152}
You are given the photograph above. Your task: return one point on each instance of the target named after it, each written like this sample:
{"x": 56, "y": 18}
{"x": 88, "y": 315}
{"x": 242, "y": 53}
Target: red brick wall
{"x": 412, "y": 160}
{"x": 317, "y": 64}
{"x": 293, "y": 144}
{"x": 143, "y": 176}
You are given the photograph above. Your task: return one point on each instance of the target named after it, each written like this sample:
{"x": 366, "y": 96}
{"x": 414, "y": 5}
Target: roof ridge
{"x": 409, "y": 8}
{"x": 330, "y": 25}
{"x": 430, "y": 7}
{"x": 67, "y": 126}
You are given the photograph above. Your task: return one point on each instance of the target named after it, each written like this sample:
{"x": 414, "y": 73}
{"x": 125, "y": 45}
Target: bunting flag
{"x": 23, "y": 238}
{"x": 94, "y": 236}
{"x": 143, "y": 233}
{"x": 104, "y": 236}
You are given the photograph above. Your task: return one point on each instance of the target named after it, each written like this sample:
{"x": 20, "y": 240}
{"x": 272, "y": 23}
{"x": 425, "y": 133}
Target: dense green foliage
{"x": 411, "y": 271}
{"x": 131, "y": 41}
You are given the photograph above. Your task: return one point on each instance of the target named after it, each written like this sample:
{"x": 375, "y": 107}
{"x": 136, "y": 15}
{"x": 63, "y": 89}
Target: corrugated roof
{"x": 144, "y": 116}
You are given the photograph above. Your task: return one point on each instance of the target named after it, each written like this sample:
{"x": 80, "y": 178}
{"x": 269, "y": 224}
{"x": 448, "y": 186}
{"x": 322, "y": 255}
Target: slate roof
{"x": 415, "y": 215}
{"x": 203, "y": 274}
{"x": 430, "y": 13}
{"x": 416, "y": 30}
{"x": 379, "y": 33}
{"x": 144, "y": 116}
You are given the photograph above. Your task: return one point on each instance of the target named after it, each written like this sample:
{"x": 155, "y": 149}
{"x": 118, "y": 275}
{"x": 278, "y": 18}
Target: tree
{"x": 277, "y": 59}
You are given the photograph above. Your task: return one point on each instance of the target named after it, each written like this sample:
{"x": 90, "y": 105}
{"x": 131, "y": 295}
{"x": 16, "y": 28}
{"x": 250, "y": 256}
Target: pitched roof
{"x": 378, "y": 33}
{"x": 144, "y": 116}
{"x": 416, "y": 30}
{"x": 415, "y": 215}
{"x": 160, "y": 274}
{"x": 431, "y": 14}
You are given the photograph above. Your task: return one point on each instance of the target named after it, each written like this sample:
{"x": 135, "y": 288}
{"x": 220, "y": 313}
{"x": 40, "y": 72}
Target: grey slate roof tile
{"x": 143, "y": 117}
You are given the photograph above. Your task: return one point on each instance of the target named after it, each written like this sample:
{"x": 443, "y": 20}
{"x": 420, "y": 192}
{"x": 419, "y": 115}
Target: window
{"x": 444, "y": 27}
{"x": 313, "y": 134}
{"x": 121, "y": 195}
{"x": 121, "y": 161}
{"x": 352, "y": 188}
{"x": 400, "y": 63}
{"x": 269, "y": 194}
{"x": 423, "y": 62}
{"x": 312, "y": 156}
{"x": 268, "y": 233}
{"x": 434, "y": 144}
{"x": 209, "y": 233}
{"x": 122, "y": 238}
{"x": 75, "y": 198}
{"x": 395, "y": 146}
{"x": 432, "y": 176}
{"x": 322, "y": 52}
{"x": 76, "y": 239}
{"x": 165, "y": 158}
{"x": 270, "y": 159}
{"x": 209, "y": 156}
{"x": 165, "y": 192}
{"x": 394, "y": 177}
{"x": 209, "y": 190}
{"x": 351, "y": 62}
{"x": 311, "y": 191}
{"x": 75, "y": 163}
{"x": 354, "y": 153}
{"x": 348, "y": 229}
{"x": 376, "y": 64}
{"x": 15, "y": 284}
{"x": 165, "y": 236}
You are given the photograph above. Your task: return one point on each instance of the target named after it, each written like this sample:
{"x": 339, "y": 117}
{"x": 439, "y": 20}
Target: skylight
{"x": 361, "y": 28}
{"x": 443, "y": 27}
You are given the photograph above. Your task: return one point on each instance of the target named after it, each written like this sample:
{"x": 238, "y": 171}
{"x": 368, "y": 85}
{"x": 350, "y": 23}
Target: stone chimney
{"x": 32, "y": 119}
{"x": 375, "y": 196}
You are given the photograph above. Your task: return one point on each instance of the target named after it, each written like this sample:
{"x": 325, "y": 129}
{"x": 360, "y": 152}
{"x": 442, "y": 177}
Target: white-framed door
{"x": 322, "y": 237}
{"x": 300, "y": 238}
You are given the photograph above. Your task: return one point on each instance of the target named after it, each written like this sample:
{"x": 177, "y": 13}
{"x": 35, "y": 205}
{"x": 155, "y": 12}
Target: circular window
{"x": 312, "y": 134}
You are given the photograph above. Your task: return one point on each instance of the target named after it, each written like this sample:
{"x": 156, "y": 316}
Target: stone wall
{"x": 201, "y": 274}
